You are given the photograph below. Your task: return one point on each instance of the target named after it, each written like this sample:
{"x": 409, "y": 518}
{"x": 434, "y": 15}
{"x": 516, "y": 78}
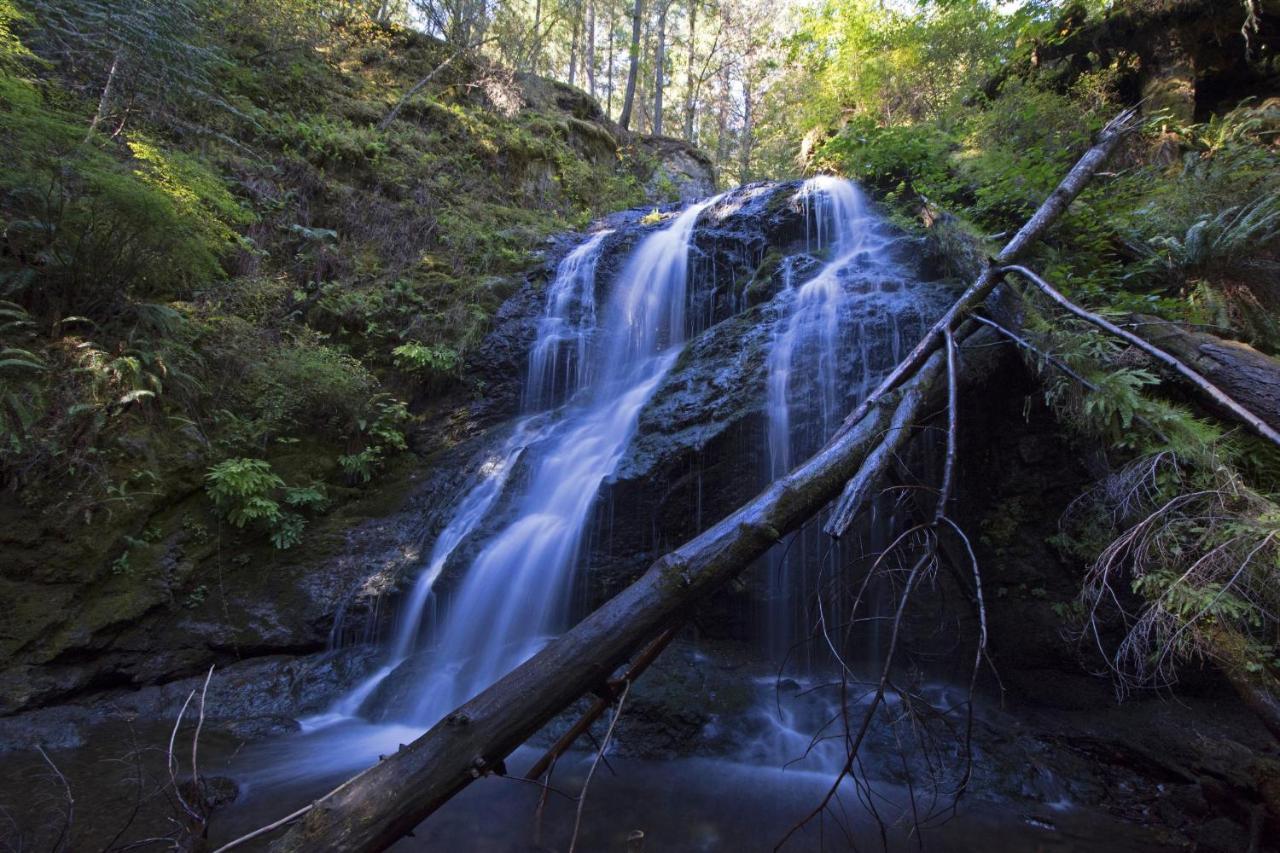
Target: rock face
{"x": 1189, "y": 57}
{"x": 682, "y": 172}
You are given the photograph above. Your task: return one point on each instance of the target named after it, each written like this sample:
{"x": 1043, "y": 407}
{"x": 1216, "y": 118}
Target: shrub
{"x": 249, "y": 492}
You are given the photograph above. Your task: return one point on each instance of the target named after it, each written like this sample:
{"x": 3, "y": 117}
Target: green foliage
{"x": 382, "y": 433}
{"x": 88, "y": 229}
{"x": 420, "y": 358}
{"x": 249, "y": 492}
{"x": 240, "y": 488}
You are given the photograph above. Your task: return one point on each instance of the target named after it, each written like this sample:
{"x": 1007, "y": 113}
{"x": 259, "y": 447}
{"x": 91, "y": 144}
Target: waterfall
{"x": 558, "y": 361}
{"x": 517, "y": 591}
{"x": 827, "y": 354}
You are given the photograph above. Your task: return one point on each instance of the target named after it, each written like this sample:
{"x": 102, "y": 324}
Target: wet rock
{"x": 253, "y": 699}
{"x": 256, "y": 728}
{"x": 1221, "y": 835}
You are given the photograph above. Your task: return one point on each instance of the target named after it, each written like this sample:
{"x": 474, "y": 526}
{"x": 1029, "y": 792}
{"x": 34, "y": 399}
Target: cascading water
{"x": 799, "y": 340}
{"x": 841, "y": 328}
{"x": 517, "y": 591}
{"x": 558, "y": 361}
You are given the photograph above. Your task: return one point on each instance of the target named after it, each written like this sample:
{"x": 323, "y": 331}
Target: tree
{"x": 659, "y": 66}
{"x": 690, "y": 88}
{"x": 633, "y": 67}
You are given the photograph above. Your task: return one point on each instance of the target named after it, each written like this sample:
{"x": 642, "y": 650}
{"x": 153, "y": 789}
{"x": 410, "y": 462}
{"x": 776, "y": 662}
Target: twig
{"x": 608, "y": 735}
{"x": 292, "y": 816}
{"x": 173, "y": 761}
{"x": 642, "y": 662}
{"x": 195, "y": 738}
{"x": 953, "y": 395}
{"x": 62, "y": 840}
{"x": 912, "y": 578}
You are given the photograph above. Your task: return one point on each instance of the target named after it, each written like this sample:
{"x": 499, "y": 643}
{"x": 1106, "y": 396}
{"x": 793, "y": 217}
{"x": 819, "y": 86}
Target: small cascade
{"x": 585, "y": 388}
{"x": 558, "y": 361}
{"x": 841, "y": 328}
{"x": 844, "y": 310}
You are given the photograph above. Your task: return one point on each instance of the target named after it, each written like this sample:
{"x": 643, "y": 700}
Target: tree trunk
{"x": 744, "y": 148}
{"x": 613, "y": 26}
{"x": 1238, "y": 369}
{"x": 573, "y": 42}
{"x": 722, "y": 122}
{"x": 391, "y": 798}
{"x": 108, "y": 91}
{"x": 690, "y": 98}
{"x": 633, "y": 68}
{"x": 659, "y": 67}
{"x": 591, "y": 48}
{"x": 536, "y": 47}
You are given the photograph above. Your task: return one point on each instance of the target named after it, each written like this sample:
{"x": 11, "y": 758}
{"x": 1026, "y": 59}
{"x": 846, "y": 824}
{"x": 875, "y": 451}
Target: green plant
{"x": 1223, "y": 237}
{"x": 382, "y": 431}
{"x": 241, "y": 488}
{"x": 421, "y": 358}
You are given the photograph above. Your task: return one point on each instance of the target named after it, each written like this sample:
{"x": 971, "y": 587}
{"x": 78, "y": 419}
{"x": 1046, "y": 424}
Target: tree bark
{"x": 1247, "y": 375}
{"x": 659, "y": 67}
{"x": 396, "y": 795}
{"x": 613, "y": 25}
{"x": 633, "y": 68}
{"x": 536, "y": 48}
{"x": 573, "y": 42}
{"x": 591, "y": 48}
{"x": 104, "y": 101}
{"x": 690, "y": 97}
{"x": 748, "y": 131}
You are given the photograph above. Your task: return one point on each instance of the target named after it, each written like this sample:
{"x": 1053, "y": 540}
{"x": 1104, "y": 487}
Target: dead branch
{"x": 195, "y": 739}
{"x": 172, "y": 762}
{"x": 1048, "y": 212}
{"x": 873, "y": 706}
{"x": 602, "y": 703}
{"x": 1040, "y": 221}
{"x": 64, "y": 834}
{"x": 1246, "y": 374}
{"x": 604, "y": 744}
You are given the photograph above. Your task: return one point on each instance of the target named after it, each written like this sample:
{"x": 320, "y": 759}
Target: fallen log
{"x": 400, "y": 792}
{"x": 1205, "y": 388}
{"x": 1246, "y": 374}
{"x": 403, "y": 790}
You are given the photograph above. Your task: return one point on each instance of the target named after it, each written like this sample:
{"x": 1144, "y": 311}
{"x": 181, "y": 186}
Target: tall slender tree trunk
{"x": 613, "y": 38}
{"x": 108, "y": 92}
{"x": 633, "y": 67}
{"x": 659, "y": 67}
{"x": 748, "y": 130}
{"x": 591, "y": 47}
{"x": 573, "y": 42}
{"x": 722, "y": 122}
{"x": 690, "y": 94}
{"x": 537, "y": 37}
